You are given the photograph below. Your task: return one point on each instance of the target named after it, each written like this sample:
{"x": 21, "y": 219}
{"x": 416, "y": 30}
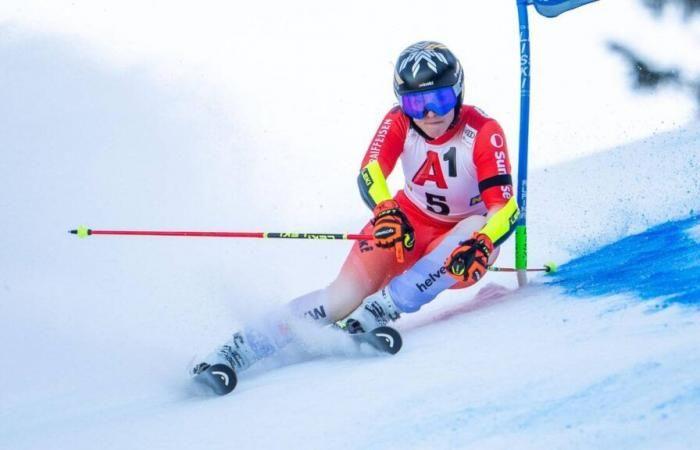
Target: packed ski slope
{"x": 115, "y": 129}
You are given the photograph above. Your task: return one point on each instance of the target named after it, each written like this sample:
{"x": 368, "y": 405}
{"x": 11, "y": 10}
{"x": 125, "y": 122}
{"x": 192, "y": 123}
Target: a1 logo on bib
{"x": 431, "y": 169}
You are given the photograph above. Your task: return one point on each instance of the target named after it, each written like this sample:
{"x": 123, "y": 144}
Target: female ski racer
{"x": 441, "y": 231}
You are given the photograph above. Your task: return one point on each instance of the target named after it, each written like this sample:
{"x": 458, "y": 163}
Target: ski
{"x": 385, "y": 339}
{"x": 220, "y": 378}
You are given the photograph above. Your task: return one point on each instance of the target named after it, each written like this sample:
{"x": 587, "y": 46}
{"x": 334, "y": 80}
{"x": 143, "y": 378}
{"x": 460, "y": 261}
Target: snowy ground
{"x": 161, "y": 116}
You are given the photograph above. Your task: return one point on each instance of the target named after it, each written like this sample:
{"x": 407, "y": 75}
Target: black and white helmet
{"x": 427, "y": 65}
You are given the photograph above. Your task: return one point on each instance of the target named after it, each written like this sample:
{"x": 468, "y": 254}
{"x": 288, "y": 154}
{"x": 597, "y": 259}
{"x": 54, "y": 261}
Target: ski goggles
{"x": 440, "y": 101}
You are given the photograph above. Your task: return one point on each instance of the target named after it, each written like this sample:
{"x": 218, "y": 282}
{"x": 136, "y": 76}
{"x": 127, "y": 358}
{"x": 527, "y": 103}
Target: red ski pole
{"x": 83, "y": 232}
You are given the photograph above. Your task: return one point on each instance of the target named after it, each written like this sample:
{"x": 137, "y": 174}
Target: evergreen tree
{"x": 647, "y": 75}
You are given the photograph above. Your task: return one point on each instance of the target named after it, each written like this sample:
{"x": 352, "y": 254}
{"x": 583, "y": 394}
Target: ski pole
{"x": 83, "y": 232}
{"x": 547, "y": 268}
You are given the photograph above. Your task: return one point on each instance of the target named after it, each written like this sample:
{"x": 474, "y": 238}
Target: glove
{"x": 468, "y": 262}
{"x": 391, "y": 227}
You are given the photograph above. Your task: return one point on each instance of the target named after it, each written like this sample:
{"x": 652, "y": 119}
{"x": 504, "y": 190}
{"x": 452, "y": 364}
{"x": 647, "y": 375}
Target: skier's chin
{"x": 434, "y": 129}
{"x": 435, "y": 126}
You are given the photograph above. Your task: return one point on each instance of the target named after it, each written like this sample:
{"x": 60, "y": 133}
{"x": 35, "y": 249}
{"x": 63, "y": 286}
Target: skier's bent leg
{"x": 365, "y": 270}
{"x": 261, "y": 338}
{"x": 421, "y": 283}
{"x": 265, "y": 336}
{"x": 417, "y": 286}
{"x": 274, "y": 330}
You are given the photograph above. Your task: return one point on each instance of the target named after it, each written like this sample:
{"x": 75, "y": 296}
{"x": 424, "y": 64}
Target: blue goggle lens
{"x": 440, "y": 101}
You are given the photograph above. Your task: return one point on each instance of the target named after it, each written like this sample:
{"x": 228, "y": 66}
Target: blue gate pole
{"x": 521, "y": 229}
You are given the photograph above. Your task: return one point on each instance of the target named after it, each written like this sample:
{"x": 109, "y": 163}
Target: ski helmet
{"x": 428, "y": 65}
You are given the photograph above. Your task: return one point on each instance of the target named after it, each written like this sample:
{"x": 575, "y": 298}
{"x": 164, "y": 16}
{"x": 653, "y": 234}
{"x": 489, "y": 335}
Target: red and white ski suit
{"x": 465, "y": 173}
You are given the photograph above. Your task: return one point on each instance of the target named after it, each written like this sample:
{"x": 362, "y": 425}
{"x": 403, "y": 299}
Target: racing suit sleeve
{"x": 381, "y": 156}
{"x": 495, "y": 182}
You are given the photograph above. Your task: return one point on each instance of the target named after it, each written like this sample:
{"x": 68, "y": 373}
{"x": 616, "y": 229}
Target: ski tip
{"x": 391, "y": 341}
{"x": 81, "y": 231}
{"x": 220, "y": 378}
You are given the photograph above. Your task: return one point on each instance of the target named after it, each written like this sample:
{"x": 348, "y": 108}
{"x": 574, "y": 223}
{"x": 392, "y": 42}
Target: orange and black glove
{"x": 391, "y": 228}
{"x": 468, "y": 262}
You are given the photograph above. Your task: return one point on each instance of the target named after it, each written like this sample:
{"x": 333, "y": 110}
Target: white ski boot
{"x": 375, "y": 311}
{"x": 220, "y": 369}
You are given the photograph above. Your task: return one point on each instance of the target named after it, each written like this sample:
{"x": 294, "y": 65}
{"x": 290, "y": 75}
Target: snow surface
{"x": 163, "y": 115}
{"x": 694, "y": 233}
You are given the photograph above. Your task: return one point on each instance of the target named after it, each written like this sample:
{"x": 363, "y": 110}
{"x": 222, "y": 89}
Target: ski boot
{"x": 368, "y": 323}
{"x": 220, "y": 369}
{"x": 376, "y": 310}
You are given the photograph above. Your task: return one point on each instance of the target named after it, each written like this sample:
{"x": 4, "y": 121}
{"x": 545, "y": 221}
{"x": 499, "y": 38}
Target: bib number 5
{"x": 437, "y": 204}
